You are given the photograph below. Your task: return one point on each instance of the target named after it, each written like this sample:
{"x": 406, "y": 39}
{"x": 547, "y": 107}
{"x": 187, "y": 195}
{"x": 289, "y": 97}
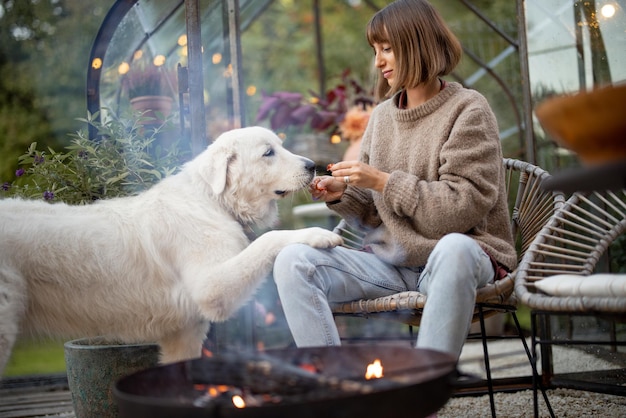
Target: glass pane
{"x": 572, "y": 46}
{"x": 149, "y": 30}
{"x": 575, "y": 45}
{"x": 150, "y": 42}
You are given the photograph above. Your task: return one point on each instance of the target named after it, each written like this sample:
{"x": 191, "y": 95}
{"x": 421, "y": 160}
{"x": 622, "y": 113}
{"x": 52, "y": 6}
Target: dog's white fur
{"x": 156, "y": 267}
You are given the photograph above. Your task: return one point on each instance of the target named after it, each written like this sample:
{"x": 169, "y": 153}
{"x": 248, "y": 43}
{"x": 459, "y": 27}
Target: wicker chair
{"x": 573, "y": 243}
{"x": 532, "y": 207}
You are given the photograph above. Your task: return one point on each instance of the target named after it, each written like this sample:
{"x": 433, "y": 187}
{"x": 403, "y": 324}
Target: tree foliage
{"x": 44, "y": 45}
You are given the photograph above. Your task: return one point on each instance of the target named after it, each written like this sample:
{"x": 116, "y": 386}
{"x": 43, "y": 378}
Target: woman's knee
{"x": 456, "y": 253}
{"x": 453, "y": 245}
{"x": 458, "y": 240}
{"x": 457, "y": 257}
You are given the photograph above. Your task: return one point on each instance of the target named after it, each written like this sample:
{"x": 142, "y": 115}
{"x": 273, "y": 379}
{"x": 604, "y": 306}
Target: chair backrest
{"x": 530, "y": 207}
{"x": 572, "y": 242}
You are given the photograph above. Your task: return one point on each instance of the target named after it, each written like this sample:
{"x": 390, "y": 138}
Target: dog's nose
{"x": 309, "y": 165}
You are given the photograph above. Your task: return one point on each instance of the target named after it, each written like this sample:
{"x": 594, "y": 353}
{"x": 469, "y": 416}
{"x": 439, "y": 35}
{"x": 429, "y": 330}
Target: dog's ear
{"x": 215, "y": 168}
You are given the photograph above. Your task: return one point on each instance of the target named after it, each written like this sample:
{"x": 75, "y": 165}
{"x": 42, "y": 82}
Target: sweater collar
{"x": 426, "y": 108}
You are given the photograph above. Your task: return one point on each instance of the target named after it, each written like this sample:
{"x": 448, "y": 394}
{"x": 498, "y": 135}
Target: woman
{"x": 428, "y": 188}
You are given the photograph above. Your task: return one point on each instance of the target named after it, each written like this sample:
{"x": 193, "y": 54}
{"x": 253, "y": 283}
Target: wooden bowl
{"x": 592, "y": 124}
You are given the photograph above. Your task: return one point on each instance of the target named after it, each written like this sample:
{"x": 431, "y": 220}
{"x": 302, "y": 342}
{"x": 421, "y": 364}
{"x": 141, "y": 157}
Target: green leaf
{"x": 116, "y": 178}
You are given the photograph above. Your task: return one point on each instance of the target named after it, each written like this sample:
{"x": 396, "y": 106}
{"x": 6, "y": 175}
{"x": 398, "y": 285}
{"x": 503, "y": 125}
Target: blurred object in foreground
{"x": 592, "y": 124}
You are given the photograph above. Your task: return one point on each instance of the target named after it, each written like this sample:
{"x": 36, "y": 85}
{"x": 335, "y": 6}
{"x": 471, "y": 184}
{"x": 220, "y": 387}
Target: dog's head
{"x": 248, "y": 169}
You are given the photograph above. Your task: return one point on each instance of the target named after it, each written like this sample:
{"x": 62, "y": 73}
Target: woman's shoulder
{"x": 467, "y": 95}
{"x": 384, "y": 104}
{"x": 384, "y": 108}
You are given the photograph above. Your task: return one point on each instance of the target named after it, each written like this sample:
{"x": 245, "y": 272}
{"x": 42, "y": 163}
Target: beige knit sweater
{"x": 445, "y": 161}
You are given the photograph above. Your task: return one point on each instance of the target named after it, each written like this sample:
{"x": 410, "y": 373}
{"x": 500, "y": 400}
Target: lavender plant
{"x": 124, "y": 160}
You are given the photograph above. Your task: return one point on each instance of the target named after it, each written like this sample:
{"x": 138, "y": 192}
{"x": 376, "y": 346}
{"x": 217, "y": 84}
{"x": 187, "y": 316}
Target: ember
{"x": 308, "y": 367}
{"x": 225, "y": 395}
{"x": 238, "y": 402}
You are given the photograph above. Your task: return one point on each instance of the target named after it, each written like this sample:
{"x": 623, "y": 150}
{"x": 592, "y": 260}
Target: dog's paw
{"x": 318, "y": 237}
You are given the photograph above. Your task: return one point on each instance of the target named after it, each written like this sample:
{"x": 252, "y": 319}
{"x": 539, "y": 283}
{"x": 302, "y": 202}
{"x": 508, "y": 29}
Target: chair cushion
{"x": 595, "y": 285}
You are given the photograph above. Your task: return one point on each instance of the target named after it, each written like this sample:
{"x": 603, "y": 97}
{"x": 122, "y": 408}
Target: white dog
{"x": 156, "y": 267}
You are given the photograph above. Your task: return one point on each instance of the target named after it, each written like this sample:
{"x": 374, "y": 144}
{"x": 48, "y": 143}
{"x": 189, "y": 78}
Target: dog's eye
{"x": 269, "y": 152}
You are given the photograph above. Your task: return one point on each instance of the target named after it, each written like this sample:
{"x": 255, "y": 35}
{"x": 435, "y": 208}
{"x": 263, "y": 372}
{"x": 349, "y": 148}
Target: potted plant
{"x": 319, "y": 121}
{"x": 150, "y": 87}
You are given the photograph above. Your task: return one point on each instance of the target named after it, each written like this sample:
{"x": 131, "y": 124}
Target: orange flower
{"x": 354, "y": 123}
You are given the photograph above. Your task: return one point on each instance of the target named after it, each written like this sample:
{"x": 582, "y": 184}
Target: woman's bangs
{"x": 376, "y": 31}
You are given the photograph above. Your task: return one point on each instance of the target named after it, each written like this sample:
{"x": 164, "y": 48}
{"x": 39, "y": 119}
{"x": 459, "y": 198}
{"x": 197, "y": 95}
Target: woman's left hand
{"x": 356, "y": 173}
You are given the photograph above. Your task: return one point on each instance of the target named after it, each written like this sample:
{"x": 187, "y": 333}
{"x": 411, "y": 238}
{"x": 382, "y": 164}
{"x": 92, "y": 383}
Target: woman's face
{"x": 385, "y": 60}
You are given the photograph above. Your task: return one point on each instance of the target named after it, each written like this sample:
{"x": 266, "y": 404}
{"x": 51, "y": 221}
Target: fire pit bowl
{"x": 306, "y": 382}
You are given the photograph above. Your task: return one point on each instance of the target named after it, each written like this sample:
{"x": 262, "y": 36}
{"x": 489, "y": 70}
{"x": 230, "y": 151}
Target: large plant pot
{"x": 94, "y": 365}
{"x": 157, "y": 107}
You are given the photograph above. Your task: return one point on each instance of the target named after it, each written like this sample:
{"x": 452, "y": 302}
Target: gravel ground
{"x": 509, "y": 359}
{"x": 565, "y": 403}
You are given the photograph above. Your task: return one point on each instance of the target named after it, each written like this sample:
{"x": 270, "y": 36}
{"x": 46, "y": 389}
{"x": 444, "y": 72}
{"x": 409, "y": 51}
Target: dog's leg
{"x": 221, "y": 289}
{"x": 12, "y": 306}
{"x": 184, "y": 344}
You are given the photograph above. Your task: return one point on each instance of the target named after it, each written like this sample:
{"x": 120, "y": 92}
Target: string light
{"x": 123, "y": 68}
{"x": 608, "y": 10}
{"x": 159, "y": 60}
{"x": 96, "y": 64}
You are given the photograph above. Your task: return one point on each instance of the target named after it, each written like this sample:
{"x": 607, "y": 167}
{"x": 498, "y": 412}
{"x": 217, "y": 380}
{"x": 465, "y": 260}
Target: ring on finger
{"x": 346, "y": 179}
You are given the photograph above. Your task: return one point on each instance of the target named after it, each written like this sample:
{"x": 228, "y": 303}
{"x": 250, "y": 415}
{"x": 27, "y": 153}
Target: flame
{"x": 374, "y": 370}
{"x": 206, "y": 352}
{"x": 239, "y": 402}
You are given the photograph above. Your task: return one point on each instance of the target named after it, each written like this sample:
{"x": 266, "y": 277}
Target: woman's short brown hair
{"x": 423, "y": 45}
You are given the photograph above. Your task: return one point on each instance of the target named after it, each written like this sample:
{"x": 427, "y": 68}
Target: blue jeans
{"x": 308, "y": 279}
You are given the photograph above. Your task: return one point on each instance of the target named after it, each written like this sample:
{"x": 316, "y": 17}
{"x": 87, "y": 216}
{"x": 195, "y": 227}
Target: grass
{"x": 523, "y": 316}
{"x": 32, "y": 357}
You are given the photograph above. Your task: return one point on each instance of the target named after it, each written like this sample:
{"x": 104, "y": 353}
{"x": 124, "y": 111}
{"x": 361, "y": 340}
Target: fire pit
{"x": 307, "y": 382}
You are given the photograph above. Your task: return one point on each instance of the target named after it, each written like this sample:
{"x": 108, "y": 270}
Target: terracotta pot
{"x": 152, "y": 106}
{"x": 94, "y": 365}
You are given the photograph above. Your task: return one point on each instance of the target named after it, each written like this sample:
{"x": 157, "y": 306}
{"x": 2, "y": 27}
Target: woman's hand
{"x": 327, "y": 188}
{"x": 356, "y": 173}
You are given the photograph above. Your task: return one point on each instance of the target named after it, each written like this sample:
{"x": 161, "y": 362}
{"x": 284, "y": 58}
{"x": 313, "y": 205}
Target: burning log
{"x": 259, "y": 373}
